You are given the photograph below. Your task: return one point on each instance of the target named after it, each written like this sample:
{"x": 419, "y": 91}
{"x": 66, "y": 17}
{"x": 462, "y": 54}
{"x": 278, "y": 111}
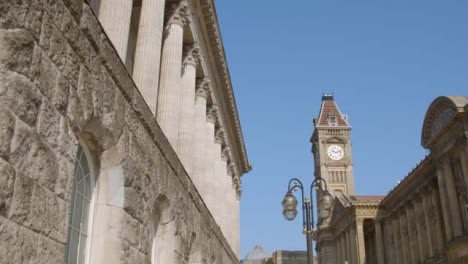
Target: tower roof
{"x": 330, "y": 115}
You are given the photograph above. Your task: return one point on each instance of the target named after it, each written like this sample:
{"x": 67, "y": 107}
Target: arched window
{"x": 79, "y": 224}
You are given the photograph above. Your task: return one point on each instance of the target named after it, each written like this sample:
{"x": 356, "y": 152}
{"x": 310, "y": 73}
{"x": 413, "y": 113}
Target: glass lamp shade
{"x": 290, "y": 215}
{"x": 325, "y": 205}
{"x": 289, "y": 202}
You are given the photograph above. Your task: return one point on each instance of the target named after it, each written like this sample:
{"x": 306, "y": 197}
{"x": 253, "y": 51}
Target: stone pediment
{"x": 335, "y": 140}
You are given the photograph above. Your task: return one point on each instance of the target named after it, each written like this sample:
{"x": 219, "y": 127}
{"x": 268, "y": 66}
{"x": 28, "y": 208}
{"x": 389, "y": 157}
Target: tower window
{"x": 78, "y": 224}
{"x": 332, "y": 120}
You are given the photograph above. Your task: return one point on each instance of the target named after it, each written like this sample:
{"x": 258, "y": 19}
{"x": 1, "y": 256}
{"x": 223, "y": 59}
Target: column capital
{"x": 202, "y": 87}
{"x": 219, "y": 136}
{"x": 212, "y": 114}
{"x": 231, "y": 169}
{"x": 191, "y": 55}
{"x": 176, "y": 13}
{"x": 226, "y": 153}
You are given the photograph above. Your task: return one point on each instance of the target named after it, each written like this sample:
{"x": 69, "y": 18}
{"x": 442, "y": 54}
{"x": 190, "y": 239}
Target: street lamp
{"x": 324, "y": 205}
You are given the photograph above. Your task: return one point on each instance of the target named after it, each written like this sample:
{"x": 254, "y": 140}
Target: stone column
{"x": 354, "y": 245}
{"x": 198, "y": 163}
{"x": 412, "y": 240}
{"x": 437, "y": 221}
{"x": 339, "y": 256}
{"x": 404, "y": 238}
{"x": 361, "y": 249}
{"x": 186, "y": 144}
{"x": 237, "y": 225}
{"x": 464, "y": 165}
{"x": 397, "y": 239}
{"x": 148, "y": 50}
{"x": 115, "y": 16}
{"x": 349, "y": 245}
{"x": 209, "y": 181}
{"x": 379, "y": 241}
{"x": 429, "y": 227}
{"x": 344, "y": 256}
{"x": 226, "y": 185}
{"x": 445, "y": 203}
{"x": 457, "y": 225}
{"x": 170, "y": 77}
{"x": 217, "y": 180}
{"x": 417, "y": 205}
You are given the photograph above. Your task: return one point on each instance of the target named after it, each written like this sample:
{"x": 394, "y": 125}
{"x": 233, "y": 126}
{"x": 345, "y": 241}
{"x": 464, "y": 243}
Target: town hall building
{"x": 423, "y": 219}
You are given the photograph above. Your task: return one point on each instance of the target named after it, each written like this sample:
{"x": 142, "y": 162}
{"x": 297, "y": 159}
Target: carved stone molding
{"x": 226, "y": 153}
{"x": 191, "y": 55}
{"x": 212, "y": 114}
{"x": 176, "y": 13}
{"x": 203, "y": 87}
{"x": 219, "y": 136}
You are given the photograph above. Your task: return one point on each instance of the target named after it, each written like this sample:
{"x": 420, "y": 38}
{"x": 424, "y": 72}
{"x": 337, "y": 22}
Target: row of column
{"x": 416, "y": 230}
{"x": 165, "y": 71}
{"x": 350, "y": 245}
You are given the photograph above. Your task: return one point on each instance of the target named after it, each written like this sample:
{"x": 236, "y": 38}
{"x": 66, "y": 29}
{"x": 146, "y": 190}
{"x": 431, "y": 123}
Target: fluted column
{"x": 344, "y": 256}
{"x": 198, "y": 163}
{"x": 354, "y": 245}
{"x": 404, "y": 238}
{"x": 186, "y": 144}
{"x": 445, "y": 203}
{"x": 397, "y": 239}
{"x": 217, "y": 180}
{"x": 148, "y": 50}
{"x": 429, "y": 227}
{"x": 170, "y": 77}
{"x": 349, "y": 245}
{"x": 226, "y": 185}
{"x": 237, "y": 225}
{"x": 115, "y": 16}
{"x": 410, "y": 229}
{"x": 339, "y": 256}
{"x": 464, "y": 164}
{"x": 457, "y": 225}
{"x": 437, "y": 221}
{"x": 417, "y": 204}
{"x": 379, "y": 242}
{"x": 360, "y": 241}
{"x": 208, "y": 181}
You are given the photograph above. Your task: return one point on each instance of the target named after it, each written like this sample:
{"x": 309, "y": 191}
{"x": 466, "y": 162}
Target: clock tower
{"x": 331, "y": 147}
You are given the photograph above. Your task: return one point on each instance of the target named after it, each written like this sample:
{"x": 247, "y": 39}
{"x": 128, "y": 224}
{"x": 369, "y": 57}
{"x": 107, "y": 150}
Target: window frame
{"x": 92, "y": 200}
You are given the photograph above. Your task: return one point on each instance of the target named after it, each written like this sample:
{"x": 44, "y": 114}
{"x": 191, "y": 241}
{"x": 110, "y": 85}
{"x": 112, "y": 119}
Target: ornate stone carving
{"x": 226, "y": 153}
{"x": 203, "y": 87}
{"x": 219, "y": 136}
{"x": 212, "y": 114}
{"x": 176, "y": 13}
{"x": 191, "y": 55}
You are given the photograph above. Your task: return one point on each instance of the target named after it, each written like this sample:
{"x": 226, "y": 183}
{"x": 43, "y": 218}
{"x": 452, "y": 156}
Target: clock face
{"x": 335, "y": 152}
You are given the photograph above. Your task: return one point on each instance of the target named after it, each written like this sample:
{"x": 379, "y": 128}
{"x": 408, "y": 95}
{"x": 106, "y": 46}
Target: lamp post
{"x": 324, "y": 208}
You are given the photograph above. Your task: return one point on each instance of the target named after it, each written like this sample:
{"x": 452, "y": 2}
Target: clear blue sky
{"x": 385, "y": 61}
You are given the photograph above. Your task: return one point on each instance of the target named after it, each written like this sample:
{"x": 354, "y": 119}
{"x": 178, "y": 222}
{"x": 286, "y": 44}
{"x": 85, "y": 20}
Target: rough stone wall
{"x": 61, "y": 82}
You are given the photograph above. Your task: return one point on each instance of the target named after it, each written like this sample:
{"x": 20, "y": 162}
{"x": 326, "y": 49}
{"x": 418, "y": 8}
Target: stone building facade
{"x": 424, "y": 218}
{"x": 120, "y": 140}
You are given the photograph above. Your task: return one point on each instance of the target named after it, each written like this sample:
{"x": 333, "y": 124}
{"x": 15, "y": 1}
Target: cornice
{"x": 224, "y": 94}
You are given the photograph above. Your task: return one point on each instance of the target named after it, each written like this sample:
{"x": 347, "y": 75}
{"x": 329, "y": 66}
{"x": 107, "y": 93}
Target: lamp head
{"x": 325, "y": 205}
{"x": 289, "y": 206}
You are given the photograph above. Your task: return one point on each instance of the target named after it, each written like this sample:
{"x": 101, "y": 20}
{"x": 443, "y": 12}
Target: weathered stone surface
{"x": 7, "y": 127}
{"x": 18, "y": 243}
{"x": 84, "y": 93}
{"x": 49, "y": 251}
{"x": 34, "y": 18}
{"x": 72, "y": 67}
{"x": 13, "y": 13}
{"x": 48, "y": 125}
{"x": 57, "y": 47}
{"x": 16, "y": 50}
{"x": 21, "y": 202}
{"x": 131, "y": 231}
{"x": 90, "y": 26}
{"x": 36, "y": 160}
{"x": 19, "y": 95}
{"x": 76, "y": 115}
{"x": 61, "y": 93}
{"x": 7, "y": 180}
{"x": 43, "y": 73}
